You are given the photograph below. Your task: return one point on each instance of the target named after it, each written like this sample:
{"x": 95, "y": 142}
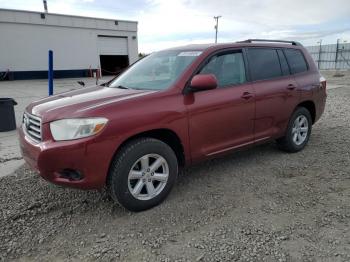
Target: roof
{"x": 53, "y": 19}
{"x": 66, "y": 15}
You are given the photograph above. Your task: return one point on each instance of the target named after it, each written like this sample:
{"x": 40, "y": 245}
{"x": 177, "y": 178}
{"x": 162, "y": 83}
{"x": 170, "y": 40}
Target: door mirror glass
{"x": 204, "y": 82}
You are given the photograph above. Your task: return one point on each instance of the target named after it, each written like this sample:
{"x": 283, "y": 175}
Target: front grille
{"x": 32, "y": 126}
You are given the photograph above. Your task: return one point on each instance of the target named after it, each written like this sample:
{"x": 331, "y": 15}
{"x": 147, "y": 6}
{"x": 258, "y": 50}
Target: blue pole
{"x": 50, "y": 73}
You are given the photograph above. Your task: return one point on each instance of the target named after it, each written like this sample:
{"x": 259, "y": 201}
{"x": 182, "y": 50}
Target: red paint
{"x": 204, "y": 82}
{"x": 208, "y": 122}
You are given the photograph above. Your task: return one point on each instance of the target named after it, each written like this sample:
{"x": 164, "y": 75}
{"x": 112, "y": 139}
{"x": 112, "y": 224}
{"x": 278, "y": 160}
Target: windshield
{"x": 157, "y": 71}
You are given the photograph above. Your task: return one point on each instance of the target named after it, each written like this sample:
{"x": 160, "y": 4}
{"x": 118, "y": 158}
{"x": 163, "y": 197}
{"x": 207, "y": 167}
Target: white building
{"x": 78, "y": 43}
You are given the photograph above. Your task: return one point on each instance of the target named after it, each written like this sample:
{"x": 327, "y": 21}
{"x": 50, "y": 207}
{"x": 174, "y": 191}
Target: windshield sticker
{"x": 190, "y": 53}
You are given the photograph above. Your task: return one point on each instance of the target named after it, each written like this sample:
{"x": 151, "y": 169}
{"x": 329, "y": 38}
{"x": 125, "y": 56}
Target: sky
{"x": 168, "y": 23}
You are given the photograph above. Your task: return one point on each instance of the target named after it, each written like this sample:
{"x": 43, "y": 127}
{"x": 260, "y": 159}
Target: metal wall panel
{"x": 113, "y": 45}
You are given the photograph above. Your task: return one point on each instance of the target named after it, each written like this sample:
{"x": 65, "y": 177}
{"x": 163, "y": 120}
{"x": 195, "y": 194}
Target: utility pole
{"x": 216, "y": 27}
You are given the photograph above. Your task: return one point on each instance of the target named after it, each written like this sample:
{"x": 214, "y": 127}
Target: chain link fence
{"x": 334, "y": 56}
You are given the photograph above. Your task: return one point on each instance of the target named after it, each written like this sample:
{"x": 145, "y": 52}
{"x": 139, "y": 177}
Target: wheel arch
{"x": 165, "y": 135}
{"x": 310, "y": 106}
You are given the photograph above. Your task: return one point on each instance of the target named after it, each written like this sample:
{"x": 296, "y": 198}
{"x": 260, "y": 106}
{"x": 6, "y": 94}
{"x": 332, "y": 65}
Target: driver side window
{"x": 228, "y": 69}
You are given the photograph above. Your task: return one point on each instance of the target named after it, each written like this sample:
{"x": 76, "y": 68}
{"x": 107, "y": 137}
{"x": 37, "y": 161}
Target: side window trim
{"x": 246, "y": 65}
{"x": 285, "y": 58}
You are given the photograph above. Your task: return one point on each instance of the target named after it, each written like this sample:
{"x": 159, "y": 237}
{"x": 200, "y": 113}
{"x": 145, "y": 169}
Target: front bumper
{"x": 89, "y": 156}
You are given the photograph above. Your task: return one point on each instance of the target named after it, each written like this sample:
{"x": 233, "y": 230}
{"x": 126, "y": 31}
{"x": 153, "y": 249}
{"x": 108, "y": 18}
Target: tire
{"x": 130, "y": 178}
{"x": 291, "y": 144}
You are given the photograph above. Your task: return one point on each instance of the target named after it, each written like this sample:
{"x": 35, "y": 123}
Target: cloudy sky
{"x": 167, "y": 23}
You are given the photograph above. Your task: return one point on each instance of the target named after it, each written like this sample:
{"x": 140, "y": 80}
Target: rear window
{"x": 264, "y": 63}
{"x": 295, "y": 60}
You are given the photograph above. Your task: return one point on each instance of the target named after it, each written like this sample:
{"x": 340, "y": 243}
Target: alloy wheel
{"x": 148, "y": 176}
{"x": 300, "y": 130}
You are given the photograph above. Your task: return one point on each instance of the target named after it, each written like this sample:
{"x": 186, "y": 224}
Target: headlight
{"x": 69, "y": 129}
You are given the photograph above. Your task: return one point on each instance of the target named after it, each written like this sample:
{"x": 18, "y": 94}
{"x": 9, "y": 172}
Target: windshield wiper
{"x": 122, "y": 87}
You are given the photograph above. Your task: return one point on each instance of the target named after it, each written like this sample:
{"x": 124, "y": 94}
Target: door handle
{"x": 291, "y": 87}
{"x": 247, "y": 95}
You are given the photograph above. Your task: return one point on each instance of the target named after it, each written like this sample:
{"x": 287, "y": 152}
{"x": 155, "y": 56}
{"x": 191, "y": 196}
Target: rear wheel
{"x": 142, "y": 174}
{"x": 298, "y": 131}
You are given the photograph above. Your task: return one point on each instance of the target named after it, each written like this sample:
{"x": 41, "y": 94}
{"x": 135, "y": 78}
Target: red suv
{"x": 174, "y": 108}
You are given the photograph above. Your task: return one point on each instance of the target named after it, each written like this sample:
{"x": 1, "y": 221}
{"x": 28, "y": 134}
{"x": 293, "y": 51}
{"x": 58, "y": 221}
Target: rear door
{"x": 276, "y": 91}
{"x": 223, "y": 118}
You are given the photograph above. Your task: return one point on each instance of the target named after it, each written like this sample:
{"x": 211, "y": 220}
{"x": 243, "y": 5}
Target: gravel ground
{"x": 259, "y": 204}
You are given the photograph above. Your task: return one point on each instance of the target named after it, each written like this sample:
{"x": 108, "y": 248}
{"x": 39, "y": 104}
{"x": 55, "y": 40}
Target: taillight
{"x": 323, "y": 82}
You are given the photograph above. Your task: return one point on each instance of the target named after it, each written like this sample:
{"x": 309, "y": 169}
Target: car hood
{"x": 79, "y": 103}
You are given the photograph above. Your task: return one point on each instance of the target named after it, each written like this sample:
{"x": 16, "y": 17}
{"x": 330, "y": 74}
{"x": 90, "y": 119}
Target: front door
{"x": 223, "y": 118}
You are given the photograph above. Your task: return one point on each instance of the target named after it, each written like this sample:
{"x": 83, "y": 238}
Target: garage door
{"x": 112, "y": 45}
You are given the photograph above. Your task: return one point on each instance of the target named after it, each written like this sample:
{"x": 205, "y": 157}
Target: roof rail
{"x": 271, "y": 41}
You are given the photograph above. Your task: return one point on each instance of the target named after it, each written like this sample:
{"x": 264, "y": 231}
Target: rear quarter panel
{"x": 311, "y": 90}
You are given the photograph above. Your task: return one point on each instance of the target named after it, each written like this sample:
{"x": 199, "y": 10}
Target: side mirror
{"x": 204, "y": 82}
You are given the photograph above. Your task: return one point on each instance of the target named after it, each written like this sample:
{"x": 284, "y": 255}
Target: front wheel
{"x": 298, "y": 131}
{"x": 142, "y": 174}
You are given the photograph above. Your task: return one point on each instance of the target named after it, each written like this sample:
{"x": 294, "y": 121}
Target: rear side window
{"x": 264, "y": 63}
{"x": 296, "y": 61}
